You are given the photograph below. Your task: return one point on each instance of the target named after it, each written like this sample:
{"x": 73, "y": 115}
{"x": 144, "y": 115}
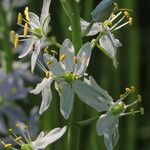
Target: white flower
{"x": 100, "y": 100}
{"x": 107, "y": 42}
{"x": 65, "y": 73}
{"x": 38, "y": 29}
{"x": 25, "y": 142}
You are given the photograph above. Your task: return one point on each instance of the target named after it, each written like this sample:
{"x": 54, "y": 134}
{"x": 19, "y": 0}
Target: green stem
{"x": 6, "y": 43}
{"x": 73, "y": 139}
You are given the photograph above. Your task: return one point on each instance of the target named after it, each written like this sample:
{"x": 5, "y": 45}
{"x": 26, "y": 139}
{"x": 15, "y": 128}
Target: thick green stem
{"x": 74, "y": 129}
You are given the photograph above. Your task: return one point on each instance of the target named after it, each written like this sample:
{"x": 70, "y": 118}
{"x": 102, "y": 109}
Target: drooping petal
{"x": 111, "y": 137}
{"x": 67, "y": 50}
{"x": 93, "y": 30}
{"x": 53, "y": 65}
{"x": 66, "y": 100}
{"x": 40, "y": 86}
{"x": 44, "y": 141}
{"x": 83, "y": 57}
{"x": 45, "y": 10}
{"x": 90, "y": 96}
{"x": 26, "y": 47}
{"x": 103, "y": 92}
{"x": 46, "y": 99}
{"x": 104, "y": 123}
{"x": 34, "y": 21}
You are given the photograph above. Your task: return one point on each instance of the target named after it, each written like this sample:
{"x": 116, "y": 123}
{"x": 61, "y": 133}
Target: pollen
{"x": 139, "y": 98}
{"x": 18, "y": 138}
{"x": 8, "y": 145}
{"x": 130, "y": 21}
{"x": 75, "y": 60}
{"x": 49, "y": 62}
{"x": 26, "y": 30}
{"x": 142, "y": 110}
{"x": 62, "y": 57}
{"x": 19, "y": 19}
{"x": 12, "y": 36}
{"x": 126, "y": 13}
{"x": 16, "y": 42}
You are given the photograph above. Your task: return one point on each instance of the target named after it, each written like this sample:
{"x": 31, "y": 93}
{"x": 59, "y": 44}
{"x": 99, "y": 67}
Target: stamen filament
{"x": 116, "y": 16}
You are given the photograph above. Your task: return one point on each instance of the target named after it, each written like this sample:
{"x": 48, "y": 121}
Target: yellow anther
{"x": 17, "y": 125}
{"x": 139, "y": 98}
{"x": 26, "y": 12}
{"x": 8, "y": 145}
{"x": 133, "y": 88}
{"x": 142, "y": 110}
{"x": 3, "y": 143}
{"x": 18, "y": 138}
{"x": 132, "y": 111}
{"x": 49, "y": 62}
{"x": 47, "y": 74}
{"x": 74, "y": 76}
{"x": 16, "y": 42}
{"x": 10, "y": 130}
{"x": 54, "y": 52}
{"x": 19, "y": 19}
{"x": 46, "y": 49}
{"x": 75, "y": 60}
{"x": 12, "y": 36}
{"x": 62, "y": 57}
{"x": 130, "y": 21}
{"x": 116, "y": 6}
{"x": 113, "y": 15}
{"x": 126, "y": 13}
{"x": 128, "y": 90}
{"x": 26, "y": 30}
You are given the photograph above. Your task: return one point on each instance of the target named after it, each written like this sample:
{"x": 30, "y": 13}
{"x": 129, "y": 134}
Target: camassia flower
{"x": 65, "y": 73}
{"x": 107, "y": 42}
{"x": 107, "y": 124}
{"x": 25, "y": 142}
{"x": 37, "y": 29}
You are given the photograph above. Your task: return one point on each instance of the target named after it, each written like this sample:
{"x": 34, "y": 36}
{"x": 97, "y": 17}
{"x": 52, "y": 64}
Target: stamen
{"x": 47, "y": 74}
{"x": 54, "y": 52}
{"x": 126, "y": 13}
{"x": 116, "y": 16}
{"x": 75, "y": 60}
{"x": 41, "y": 66}
{"x": 74, "y": 76}
{"x": 26, "y": 30}
{"x": 128, "y": 90}
{"x": 62, "y": 57}
{"x": 142, "y": 110}
{"x": 49, "y": 62}
{"x": 116, "y": 6}
{"x": 130, "y": 21}
{"x": 12, "y": 36}
{"x": 46, "y": 49}
{"x": 132, "y": 89}
{"x": 18, "y": 138}
{"x": 19, "y": 22}
{"x": 139, "y": 98}
{"x": 26, "y": 12}
{"x": 16, "y": 42}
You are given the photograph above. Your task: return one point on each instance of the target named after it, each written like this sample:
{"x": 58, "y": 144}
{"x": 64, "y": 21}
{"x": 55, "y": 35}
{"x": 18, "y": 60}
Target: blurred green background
{"x": 134, "y": 61}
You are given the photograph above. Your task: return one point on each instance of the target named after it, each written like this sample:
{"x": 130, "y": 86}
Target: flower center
{"x": 69, "y": 77}
{"x": 117, "y": 108}
{"x": 37, "y": 32}
{"x": 26, "y": 147}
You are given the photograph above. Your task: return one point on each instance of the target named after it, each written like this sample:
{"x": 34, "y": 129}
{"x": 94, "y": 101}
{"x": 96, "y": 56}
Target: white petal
{"x": 40, "y": 86}
{"x": 103, "y": 92}
{"x": 104, "y": 123}
{"x": 55, "y": 67}
{"x": 66, "y": 100}
{"x": 27, "y": 48}
{"x": 90, "y": 96}
{"x": 45, "y": 10}
{"x": 68, "y": 50}
{"x": 95, "y": 29}
{"x": 34, "y": 21}
{"x": 46, "y": 99}
{"x": 83, "y": 57}
{"x": 51, "y": 137}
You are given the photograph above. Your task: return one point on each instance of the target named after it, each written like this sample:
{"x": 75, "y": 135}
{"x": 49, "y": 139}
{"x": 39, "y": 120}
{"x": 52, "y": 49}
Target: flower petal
{"x": 104, "y": 123}
{"x": 83, "y": 57}
{"x": 90, "y": 96}
{"x": 54, "y": 66}
{"x": 40, "y": 86}
{"x": 68, "y": 51}
{"x": 93, "y": 83}
{"x": 93, "y": 30}
{"x": 66, "y": 100}
{"x": 45, "y": 10}
{"x": 43, "y": 142}
{"x": 34, "y": 21}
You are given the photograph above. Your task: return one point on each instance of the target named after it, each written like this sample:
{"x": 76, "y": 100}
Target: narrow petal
{"x": 103, "y": 92}
{"x": 90, "y": 96}
{"x": 40, "y": 86}
{"x": 43, "y": 142}
{"x": 68, "y": 51}
{"x": 54, "y": 66}
{"x": 104, "y": 123}
{"x": 34, "y": 20}
{"x": 46, "y": 99}
{"x": 83, "y": 59}
{"x": 66, "y": 100}
{"x": 45, "y": 10}
{"x": 94, "y": 29}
